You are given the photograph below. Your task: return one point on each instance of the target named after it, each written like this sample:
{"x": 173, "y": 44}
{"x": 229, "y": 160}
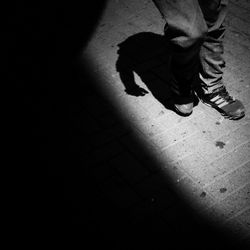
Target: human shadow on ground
{"x": 149, "y": 56}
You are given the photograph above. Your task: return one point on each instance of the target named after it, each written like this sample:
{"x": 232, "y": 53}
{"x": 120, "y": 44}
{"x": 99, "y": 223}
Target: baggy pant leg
{"x": 211, "y": 53}
{"x": 185, "y": 30}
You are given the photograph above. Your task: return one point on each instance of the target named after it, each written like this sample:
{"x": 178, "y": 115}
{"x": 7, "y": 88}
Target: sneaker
{"x": 229, "y": 107}
{"x": 184, "y": 103}
{"x": 183, "y": 97}
{"x": 184, "y": 109}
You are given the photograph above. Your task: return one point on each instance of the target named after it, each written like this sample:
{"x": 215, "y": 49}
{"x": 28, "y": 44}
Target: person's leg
{"x": 211, "y": 54}
{"x": 185, "y": 30}
{"x": 212, "y": 90}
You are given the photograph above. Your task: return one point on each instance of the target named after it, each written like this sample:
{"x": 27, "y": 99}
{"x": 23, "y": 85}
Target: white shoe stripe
{"x": 222, "y": 104}
{"x": 220, "y": 101}
{"x": 215, "y": 98}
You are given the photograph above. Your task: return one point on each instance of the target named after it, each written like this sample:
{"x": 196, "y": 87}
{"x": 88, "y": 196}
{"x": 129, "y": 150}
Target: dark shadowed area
{"x": 54, "y": 136}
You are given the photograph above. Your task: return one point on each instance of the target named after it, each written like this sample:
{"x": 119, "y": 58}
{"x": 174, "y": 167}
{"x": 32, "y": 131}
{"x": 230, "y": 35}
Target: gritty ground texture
{"x": 202, "y": 160}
